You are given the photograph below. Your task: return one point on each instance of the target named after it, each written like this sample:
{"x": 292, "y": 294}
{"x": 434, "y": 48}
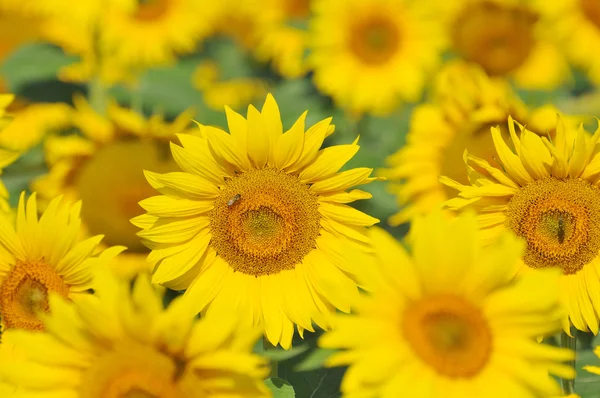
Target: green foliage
{"x": 280, "y": 388}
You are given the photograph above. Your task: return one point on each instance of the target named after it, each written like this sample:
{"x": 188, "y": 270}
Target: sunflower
{"x": 257, "y": 223}
{"x": 44, "y": 255}
{"x": 508, "y": 38}
{"x": 156, "y": 30}
{"x": 121, "y": 342}
{"x": 371, "y": 54}
{"x": 104, "y": 168}
{"x": 450, "y": 321}
{"x": 466, "y": 103}
{"x": 284, "y": 40}
{"x": 545, "y": 191}
{"x": 218, "y": 93}
{"x": 241, "y": 21}
{"x": 576, "y": 24}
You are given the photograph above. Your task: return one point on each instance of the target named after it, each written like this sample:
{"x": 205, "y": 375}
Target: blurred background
{"x": 368, "y": 64}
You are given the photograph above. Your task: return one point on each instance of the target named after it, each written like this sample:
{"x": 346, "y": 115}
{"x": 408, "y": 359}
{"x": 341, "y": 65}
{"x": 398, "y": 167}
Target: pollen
{"x": 24, "y": 293}
{"x": 271, "y": 226}
{"x": 560, "y": 221}
{"x": 448, "y": 333}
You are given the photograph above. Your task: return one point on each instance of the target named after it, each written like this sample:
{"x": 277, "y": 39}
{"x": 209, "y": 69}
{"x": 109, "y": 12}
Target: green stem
{"x": 268, "y": 346}
{"x": 97, "y": 96}
{"x": 567, "y": 341}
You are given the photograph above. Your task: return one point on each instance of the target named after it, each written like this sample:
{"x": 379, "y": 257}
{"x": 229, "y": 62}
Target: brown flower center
{"x": 449, "y": 334}
{"x": 24, "y": 293}
{"x": 264, "y": 221}
{"x": 133, "y": 370}
{"x": 560, "y": 220}
{"x": 111, "y": 183}
{"x": 591, "y": 10}
{"x": 297, "y": 9}
{"x": 375, "y": 40}
{"x": 151, "y": 10}
{"x": 497, "y": 37}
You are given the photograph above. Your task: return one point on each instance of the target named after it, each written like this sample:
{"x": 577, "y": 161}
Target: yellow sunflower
{"x": 43, "y": 255}
{"x": 235, "y": 92}
{"x": 104, "y": 168}
{"x": 508, "y": 38}
{"x": 466, "y": 103}
{"x": 284, "y": 40}
{"x": 369, "y": 55}
{"x": 257, "y": 223}
{"x": 122, "y": 343}
{"x": 148, "y": 33}
{"x": 576, "y": 24}
{"x": 545, "y": 191}
{"x": 450, "y": 321}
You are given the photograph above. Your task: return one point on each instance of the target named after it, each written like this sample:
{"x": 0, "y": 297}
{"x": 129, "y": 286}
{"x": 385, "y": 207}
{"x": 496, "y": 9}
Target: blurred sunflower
{"x": 122, "y": 343}
{"x": 371, "y": 54}
{"x": 466, "y": 104}
{"x": 450, "y": 321}
{"x": 237, "y": 20}
{"x": 155, "y": 31}
{"x": 508, "y": 38}
{"x": 44, "y": 255}
{"x": 218, "y": 93}
{"x": 104, "y": 169}
{"x": 576, "y": 24}
{"x": 257, "y": 223}
{"x": 545, "y": 191}
{"x": 284, "y": 40}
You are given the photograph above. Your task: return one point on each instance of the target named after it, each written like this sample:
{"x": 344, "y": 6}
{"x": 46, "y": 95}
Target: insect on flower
{"x": 235, "y": 198}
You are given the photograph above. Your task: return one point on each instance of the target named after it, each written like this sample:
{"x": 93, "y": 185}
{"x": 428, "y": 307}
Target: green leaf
{"x": 314, "y": 360}
{"x": 279, "y": 354}
{"x": 33, "y": 63}
{"x": 280, "y": 388}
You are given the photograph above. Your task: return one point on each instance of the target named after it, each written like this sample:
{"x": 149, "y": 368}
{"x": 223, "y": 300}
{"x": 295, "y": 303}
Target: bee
{"x": 561, "y": 229}
{"x": 235, "y": 198}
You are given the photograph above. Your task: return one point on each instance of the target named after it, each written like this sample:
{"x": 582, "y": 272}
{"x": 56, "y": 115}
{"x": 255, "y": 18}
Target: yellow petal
{"x": 289, "y": 146}
{"x": 259, "y": 141}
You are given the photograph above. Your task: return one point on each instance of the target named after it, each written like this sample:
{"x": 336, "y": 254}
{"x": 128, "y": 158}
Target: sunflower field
{"x": 299, "y": 198}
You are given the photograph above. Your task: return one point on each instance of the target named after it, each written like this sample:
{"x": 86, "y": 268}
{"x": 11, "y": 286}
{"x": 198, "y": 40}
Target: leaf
{"x": 279, "y": 354}
{"x": 280, "y": 388}
{"x": 315, "y": 360}
{"x": 33, "y": 63}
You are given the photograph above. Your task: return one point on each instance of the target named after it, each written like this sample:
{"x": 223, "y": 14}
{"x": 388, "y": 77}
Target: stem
{"x": 567, "y": 341}
{"x": 268, "y": 346}
{"x": 97, "y": 96}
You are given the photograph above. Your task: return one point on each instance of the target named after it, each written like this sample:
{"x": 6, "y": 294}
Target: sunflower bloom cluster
{"x": 466, "y": 103}
{"x": 545, "y": 191}
{"x": 121, "y": 342}
{"x": 449, "y": 321}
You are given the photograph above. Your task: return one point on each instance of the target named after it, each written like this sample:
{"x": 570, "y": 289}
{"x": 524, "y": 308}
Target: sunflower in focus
{"x": 508, "y": 38}
{"x": 122, "y": 343}
{"x": 285, "y": 39}
{"x": 370, "y": 55}
{"x": 576, "y": 24}
{"x": 257, "y": 223}
{"x": 466, "y": 103}
{"x": 544, "y": 190}
{"x": 450, "y": 321}
{"x": 218, "y": 92}
{"x": 44, "y": 255}
{"x": 104, "y": 168}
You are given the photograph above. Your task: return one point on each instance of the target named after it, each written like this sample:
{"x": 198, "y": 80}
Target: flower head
{"x": 448, "y": 319}
{"x": 257, "y": 223}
